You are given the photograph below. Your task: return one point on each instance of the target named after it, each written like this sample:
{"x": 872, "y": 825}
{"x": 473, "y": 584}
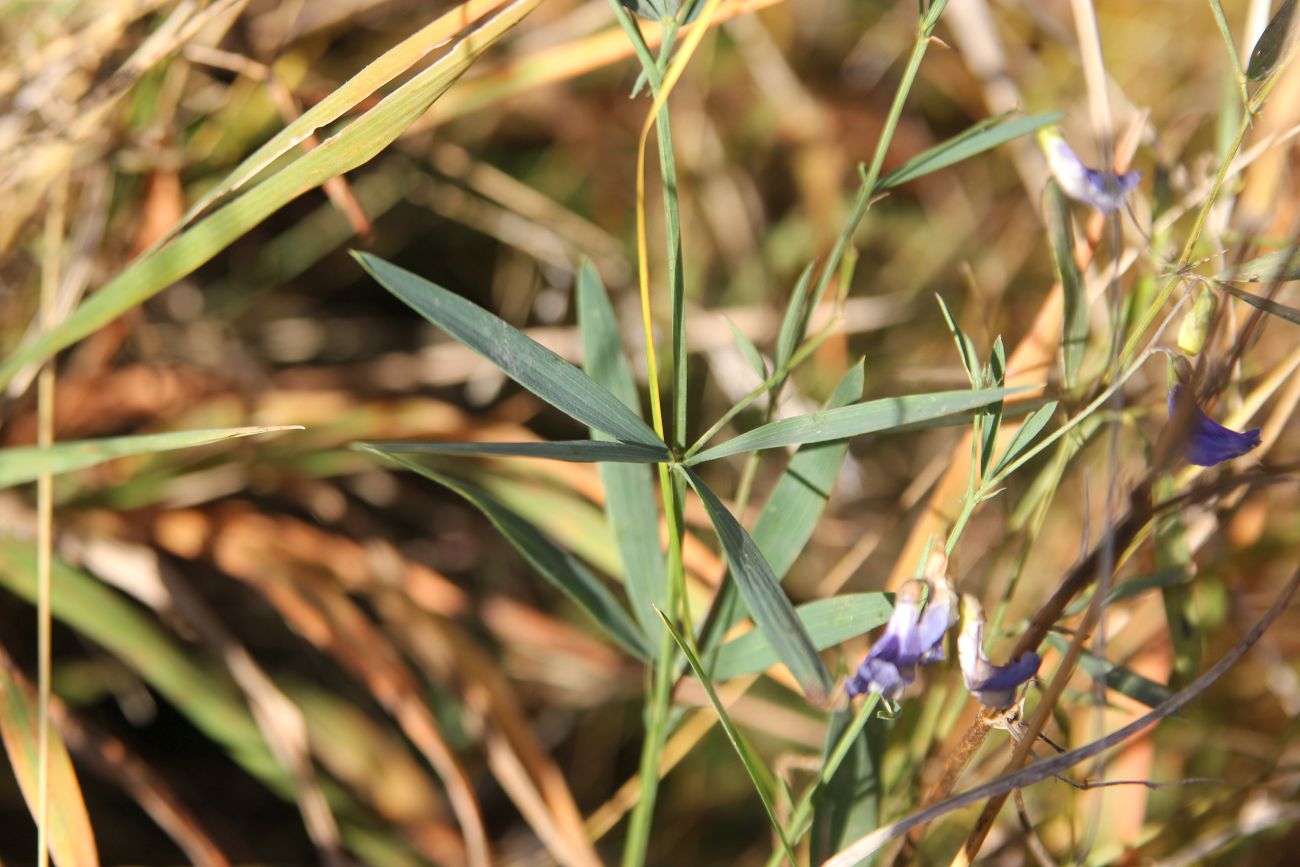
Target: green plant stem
{"x": 671, "y": 486}
{"x": 871, "y": 176}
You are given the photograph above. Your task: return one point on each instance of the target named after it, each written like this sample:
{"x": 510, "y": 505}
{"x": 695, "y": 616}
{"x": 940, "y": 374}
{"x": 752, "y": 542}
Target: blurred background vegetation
{"x": 265, "y": 645}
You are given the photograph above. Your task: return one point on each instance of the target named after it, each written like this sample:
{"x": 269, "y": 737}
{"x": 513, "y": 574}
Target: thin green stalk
{"x": 800, "y": 818}
{"x": 1238, "y": 71}
{"x": 809, "y": 347}
{"x": 872, "y": 174}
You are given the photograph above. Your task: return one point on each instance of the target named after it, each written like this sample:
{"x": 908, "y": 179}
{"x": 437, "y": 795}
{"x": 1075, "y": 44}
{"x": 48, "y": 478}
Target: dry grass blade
{"x": 71, "y": 841}
{"x": 110, "y": 759}
{"x": 333, "y": 623}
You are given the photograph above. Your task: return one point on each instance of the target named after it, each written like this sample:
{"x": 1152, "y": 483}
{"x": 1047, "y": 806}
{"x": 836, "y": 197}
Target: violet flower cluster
{"x": 914, "y": 637}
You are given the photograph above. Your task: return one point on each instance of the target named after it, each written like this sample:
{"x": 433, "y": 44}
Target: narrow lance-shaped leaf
{"x": 768, "y": 604}
{"x": 965, "y": 348}
{"x": 747, "y": 349}
{"x": 828, "y": 621}
{"x": 795, "y": 321}
{"x": 25, "y": 464}
{"x": 1117, "y": 677}
{"x": 981, "y": 137}
{"x": 1271, "y": 42}
{"x": 1074, "y": 331}
{"x": 72, "y": 843}
{"x": 629, "y": 490}
{"x": 792, "y": 510}
{"x": 521, "y": 358}
{"x": 1282, "y": 311}
{"x": 578, "y": 451}
{"x": 1024, "y": 437}
{"x": 758, "y": 774}
{"x": 850, "y": 421}
{"x": 559, "y": 567}
{"x": 355, "y": 145}
{"x": 995, "y": 376}
{"x": 789, "y": 515}
{"x": 1276, "y": 267}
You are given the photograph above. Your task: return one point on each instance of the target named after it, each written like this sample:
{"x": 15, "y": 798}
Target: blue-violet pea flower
{"x": 1208, "y": 442}
{"x": 911, "y": 638}
{"x": 993, "y": 685}
{"x": 1103, "y": 190}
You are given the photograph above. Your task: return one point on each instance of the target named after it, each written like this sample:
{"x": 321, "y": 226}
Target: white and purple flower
{"x": 1104, "y": 190}
{"x": 993, "y": 685}
{"x": 911, "y": 638}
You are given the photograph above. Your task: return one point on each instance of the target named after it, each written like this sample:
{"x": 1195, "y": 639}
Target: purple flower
{"x": 911, "y": 638}
{"x": 1208, "y": 442}
{"x": 993, "y": 685}
{"x": 1105, "y": 191}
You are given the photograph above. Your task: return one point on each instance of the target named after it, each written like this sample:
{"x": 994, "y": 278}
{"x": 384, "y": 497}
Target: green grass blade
{"x": 1276, "y": 267}
{"x": 1074, "y": 331}
{"x": 21, "y": 465}
{"x": 72, "y": 842}
{"x": 354, "y": 146}
{"x": 521, "y": 358}
{"x": 828, "y": 622}
{"x": 757, "y": 773}
{"x": 578, "y": 451}
{"x": 965, "y": 348}
{"x": 768, "y": 604}
{"x": 1282, "y": 311}
{"x": 984, "y": 136}
{"x": 850, "y": 421}
{"x": 796, "y": 503}
{"x": 629, "y": 490}
{"x": 556, "y": 565}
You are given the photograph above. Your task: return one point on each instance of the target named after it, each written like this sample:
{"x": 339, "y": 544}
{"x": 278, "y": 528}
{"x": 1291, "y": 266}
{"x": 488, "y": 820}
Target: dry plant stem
{"x": 110, "y": 759}
{"x": 54, "y": 221}
{"x": 1039, "y": 771}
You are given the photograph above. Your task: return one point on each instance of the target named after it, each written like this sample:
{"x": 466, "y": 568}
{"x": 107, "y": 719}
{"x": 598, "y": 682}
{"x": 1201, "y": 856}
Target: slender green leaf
{"x": 965, "y": 348}
{"x": 795, "y": 321}
{"x": 1268, "y": 50}
{"x": 790, "y": 513}
{"x": 1024, "y": 437}
{"x": 1074, "y": 331}
{"x": 767, "y": 603}
{"x": 828, "y": 622}
{"x": 983, "y": 136}
{"x": 580, "y": 451}
{"x": 795, "y": 505}
{"x": 521, "y": 358}
{"x": 1117, "y": 677}
{"x": 629, "y": 489}
{"x": 1131, "y": 587}
{"x": 850, "y": 421}
{"x": 556, "y": 565}
{"x": 1282, "y": 311}
{"x": 846, "y": 801}
{"x": 995, "y": 376}
{"x": 1277, "y": 267}
{"x": 354, "y": 146}
{"x": 758, "y": 774}
{"x": 72, "y": 842}
{"x": 747, "y": 349}
{"x": 19, "y": 465}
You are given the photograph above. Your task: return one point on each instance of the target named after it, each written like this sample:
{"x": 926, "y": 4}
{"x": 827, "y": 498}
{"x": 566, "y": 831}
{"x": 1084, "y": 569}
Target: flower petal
{"x": 1208, "y": 442}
